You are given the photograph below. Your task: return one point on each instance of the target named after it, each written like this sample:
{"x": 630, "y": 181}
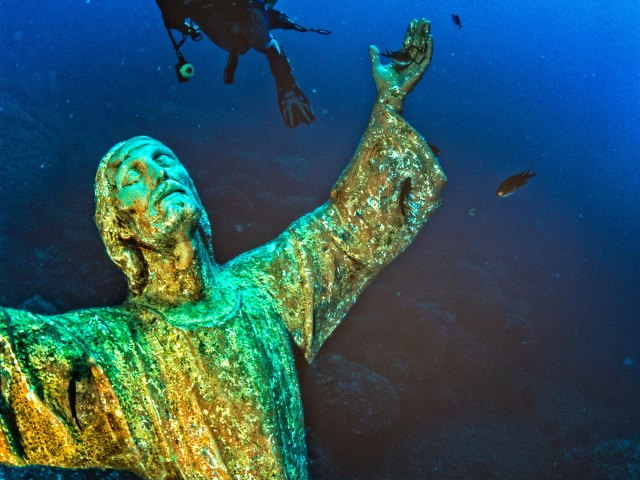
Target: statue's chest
{"x": 212, "y": 398}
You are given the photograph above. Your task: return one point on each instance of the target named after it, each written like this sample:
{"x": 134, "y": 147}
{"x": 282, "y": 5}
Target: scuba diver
{"x": 236, "y": 26}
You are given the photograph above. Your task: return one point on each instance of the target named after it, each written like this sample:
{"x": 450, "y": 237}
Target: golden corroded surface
{"x": 193, "y": 377}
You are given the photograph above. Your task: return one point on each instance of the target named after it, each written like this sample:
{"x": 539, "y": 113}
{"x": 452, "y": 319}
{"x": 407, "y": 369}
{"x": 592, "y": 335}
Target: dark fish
{"x": 399, "y": 57}
{"x": 456, "y": 20}
{"x": 434, "y": 149}
{"x": 513, "y": 183}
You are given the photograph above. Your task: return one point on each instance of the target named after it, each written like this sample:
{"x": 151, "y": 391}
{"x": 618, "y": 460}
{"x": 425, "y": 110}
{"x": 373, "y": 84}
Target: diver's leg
{"x": 236, "y": 26}
{"x": 230, "y": 69}
{"x": 228, "y": 35}
{"x": 293, "y": 103}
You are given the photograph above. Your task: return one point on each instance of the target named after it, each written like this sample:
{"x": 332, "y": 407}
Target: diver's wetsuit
{"x": 237, "y": 26}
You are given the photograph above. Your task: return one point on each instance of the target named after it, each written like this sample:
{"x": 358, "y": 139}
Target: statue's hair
{"x": 113, "y": 223}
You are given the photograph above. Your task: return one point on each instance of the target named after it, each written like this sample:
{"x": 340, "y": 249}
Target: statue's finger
{"x": 424, "y": 26}
{"x": 429, "y": 50}
{"x": 423, "y": 43}
{"x": 410, "y": 35}
{"x": 418, "y": 47}
{"x": 421, "y": 54}
{"x": 422, "y": 36}
{"x": 423, "y": 58}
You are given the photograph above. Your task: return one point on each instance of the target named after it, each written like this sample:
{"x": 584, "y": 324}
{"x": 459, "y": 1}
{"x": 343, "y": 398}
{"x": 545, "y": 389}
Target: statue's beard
{"x": 174, "y": 219}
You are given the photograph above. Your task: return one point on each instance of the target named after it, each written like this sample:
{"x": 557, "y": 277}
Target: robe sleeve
{"x": 32, "y": 430}
{"x": 315, "y": 270}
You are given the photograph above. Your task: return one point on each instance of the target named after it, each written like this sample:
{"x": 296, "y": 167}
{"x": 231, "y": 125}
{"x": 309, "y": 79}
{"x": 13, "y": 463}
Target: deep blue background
{"x": 553, "y": 85}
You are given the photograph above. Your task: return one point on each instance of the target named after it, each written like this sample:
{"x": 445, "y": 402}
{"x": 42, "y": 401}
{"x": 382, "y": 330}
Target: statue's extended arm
{"x": 316, "y": 269}
{"x": 29, "y": 430}
{"x": 57, "y": 406}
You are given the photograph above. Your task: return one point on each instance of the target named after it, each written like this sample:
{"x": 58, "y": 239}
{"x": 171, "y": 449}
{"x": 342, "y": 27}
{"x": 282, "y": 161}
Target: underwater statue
{"x": 193, "y": 377}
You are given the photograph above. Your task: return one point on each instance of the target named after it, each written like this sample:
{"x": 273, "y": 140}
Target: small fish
{"x": 399, "y": 57}
{"x": 456, "y": 20}
{"x": 434, "y": 149}
{"x": 514, "y": 182}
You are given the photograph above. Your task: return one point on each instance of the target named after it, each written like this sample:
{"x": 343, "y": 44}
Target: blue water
{"x": 554, "y": 85}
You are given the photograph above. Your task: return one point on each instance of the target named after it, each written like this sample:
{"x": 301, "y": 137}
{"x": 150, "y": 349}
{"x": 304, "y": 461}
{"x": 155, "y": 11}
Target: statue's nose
{"x": 160, "y": 174}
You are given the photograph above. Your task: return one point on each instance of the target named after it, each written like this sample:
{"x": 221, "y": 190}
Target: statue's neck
{"x": 183, "y": 272}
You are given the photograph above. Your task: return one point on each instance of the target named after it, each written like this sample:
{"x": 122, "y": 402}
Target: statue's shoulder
{"x": 100, "y": 315}
{"x": 246, "y": 260}
{"x": 257, "y": 260}
{"x": 251, "y": 274}
{"x": 81, "y": 322}
{"x": 69, "y": 335}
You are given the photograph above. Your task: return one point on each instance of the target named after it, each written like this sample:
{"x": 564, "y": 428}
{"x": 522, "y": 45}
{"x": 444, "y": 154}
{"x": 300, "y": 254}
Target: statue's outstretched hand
{"x": 396, "y": 79}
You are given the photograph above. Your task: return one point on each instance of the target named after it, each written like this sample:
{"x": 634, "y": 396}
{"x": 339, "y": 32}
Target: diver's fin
{"x": 293, "y": 104}
{"x": 295, "y": 107}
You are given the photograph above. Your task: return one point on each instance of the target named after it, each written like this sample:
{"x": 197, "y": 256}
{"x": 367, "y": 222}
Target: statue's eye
{"x": 132, "y": 176}
{"x": 163, "y": 160}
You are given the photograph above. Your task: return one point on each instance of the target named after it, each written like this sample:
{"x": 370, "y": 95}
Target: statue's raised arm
{"x": 316, "y": 269}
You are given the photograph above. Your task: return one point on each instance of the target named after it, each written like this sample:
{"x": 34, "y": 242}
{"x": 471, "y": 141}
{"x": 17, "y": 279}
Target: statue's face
{"x": 156, "y": 191}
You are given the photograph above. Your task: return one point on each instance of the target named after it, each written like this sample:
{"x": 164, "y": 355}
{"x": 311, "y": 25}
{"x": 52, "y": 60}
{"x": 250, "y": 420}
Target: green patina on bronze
{"x": 193, "y": 377}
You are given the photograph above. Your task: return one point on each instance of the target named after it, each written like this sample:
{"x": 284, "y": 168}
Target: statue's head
{"x": 145, "y": 200}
